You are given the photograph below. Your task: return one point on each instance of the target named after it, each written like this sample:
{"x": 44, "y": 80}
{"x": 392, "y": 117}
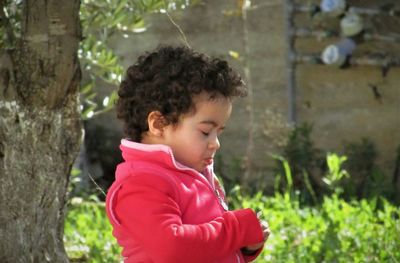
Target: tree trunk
{"x": 40, "y": 130}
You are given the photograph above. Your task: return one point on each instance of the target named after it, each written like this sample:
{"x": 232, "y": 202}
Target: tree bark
{"x": 40, "y": 130}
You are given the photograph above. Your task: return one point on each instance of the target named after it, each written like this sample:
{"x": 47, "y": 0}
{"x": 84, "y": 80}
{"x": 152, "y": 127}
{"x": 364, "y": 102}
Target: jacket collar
{"x": 160, "y": 154}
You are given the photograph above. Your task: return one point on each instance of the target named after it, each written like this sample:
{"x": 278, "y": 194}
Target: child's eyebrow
{"x": 213, "y": 123}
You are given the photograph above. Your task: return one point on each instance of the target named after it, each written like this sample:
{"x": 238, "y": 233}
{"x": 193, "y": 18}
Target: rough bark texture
{"x": 40, "y": 131}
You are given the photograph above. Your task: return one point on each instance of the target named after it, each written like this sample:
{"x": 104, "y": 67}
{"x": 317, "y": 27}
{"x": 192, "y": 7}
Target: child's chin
{"x": 201, "y": 169}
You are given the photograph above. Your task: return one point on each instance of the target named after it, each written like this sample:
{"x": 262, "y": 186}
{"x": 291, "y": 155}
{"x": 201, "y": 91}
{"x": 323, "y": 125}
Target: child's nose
{"x": 214, "y": 143}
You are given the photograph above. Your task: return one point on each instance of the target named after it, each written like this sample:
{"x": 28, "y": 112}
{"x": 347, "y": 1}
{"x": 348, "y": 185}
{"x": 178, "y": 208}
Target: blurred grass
{"x": 88, "y": 234}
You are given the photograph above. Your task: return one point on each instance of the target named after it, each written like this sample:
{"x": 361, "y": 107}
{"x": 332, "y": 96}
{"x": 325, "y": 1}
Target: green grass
{"x": 334, "y": 231}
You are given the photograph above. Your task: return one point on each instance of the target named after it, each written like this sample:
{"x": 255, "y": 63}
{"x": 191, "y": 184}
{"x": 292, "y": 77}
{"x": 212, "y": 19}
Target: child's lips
{"x": 208, "y": 161}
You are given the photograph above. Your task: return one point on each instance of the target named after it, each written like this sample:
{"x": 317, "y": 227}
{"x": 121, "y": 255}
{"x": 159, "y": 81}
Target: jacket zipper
{"x": 217, "y": 195}
{"x": 221, "y": 200}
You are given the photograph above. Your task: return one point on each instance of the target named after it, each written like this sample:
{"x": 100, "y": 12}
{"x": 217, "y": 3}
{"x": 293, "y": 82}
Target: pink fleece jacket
{"x": 162, "y": 211}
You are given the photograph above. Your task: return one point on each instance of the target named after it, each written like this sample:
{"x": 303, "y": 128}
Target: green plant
{"x": 306, "y": 164}
{"x": 396, "y": 176}
{"x": 312, "y": 175}
{"x": 361, "y": 165}
{"x": 287, "y": 187}
{"x": 335, "y": 172}
{"x": 287, "y": 172}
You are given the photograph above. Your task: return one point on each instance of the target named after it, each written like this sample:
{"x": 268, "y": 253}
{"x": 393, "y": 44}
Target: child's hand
{"x": 264, "y": 226}
{"x": 266, "y": 232}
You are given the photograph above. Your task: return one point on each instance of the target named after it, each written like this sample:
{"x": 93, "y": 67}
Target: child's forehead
{"x": 205, "y": 105}
{"x": 207, "y": 97}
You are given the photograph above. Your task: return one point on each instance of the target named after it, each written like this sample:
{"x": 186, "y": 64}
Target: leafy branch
{"x": 100, "y": 21}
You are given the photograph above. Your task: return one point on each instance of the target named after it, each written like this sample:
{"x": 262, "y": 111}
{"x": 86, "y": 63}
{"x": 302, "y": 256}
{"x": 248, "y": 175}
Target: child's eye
{"x": 205, "y": 133}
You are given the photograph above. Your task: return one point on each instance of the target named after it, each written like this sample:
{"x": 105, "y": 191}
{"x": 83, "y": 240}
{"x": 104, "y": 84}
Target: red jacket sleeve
{"x": 146, "y": 206}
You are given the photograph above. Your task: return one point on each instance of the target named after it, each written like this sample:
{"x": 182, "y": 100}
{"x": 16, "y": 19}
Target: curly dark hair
{"x": 166, "y": 80}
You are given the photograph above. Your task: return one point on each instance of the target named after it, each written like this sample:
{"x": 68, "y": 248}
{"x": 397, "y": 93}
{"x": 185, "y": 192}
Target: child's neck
{"x": 148, "y": 139}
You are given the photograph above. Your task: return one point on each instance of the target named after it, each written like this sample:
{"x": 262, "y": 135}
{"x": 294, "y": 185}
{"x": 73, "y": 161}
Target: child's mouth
{"x": 208, "y": 161}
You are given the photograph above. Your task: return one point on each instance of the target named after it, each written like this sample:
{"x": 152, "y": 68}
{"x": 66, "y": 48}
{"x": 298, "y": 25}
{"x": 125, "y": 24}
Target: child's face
{"x": 194, "y": 140}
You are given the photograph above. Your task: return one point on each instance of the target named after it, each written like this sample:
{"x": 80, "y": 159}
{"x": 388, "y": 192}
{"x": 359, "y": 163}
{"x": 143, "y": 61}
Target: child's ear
{"x": 156, "y": 123}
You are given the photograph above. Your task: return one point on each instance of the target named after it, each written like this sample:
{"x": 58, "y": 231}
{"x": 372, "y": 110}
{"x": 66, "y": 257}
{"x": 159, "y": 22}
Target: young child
{"x": 166, "y": 204}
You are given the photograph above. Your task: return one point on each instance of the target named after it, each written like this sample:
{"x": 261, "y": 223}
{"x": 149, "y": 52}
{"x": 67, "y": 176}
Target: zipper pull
{"x": 221, "y": 200}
